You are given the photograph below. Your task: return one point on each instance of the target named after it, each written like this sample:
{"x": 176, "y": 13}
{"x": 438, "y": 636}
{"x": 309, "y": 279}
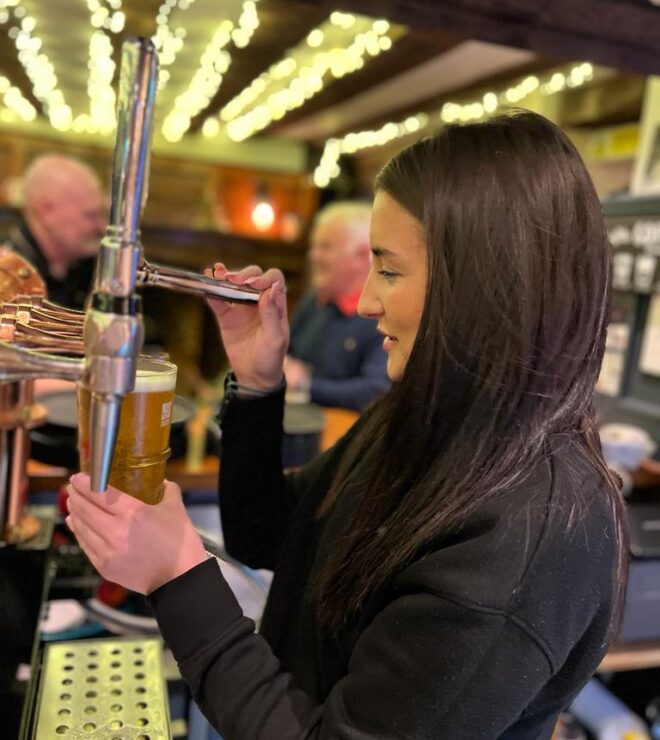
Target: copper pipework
{"x": 19, "y": 283}
{"x": 41, "y": 325}
{"x": 18, "y": 276}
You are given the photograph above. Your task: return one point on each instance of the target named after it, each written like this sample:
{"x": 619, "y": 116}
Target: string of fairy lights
{"x": 213, "y": 64}
{"x": 41, "y": 72}
{"x": 14, "y": 102}
{"x": 104, "y": 19}
{"x": 37, "y": 66}
{"x": 102, "y": 99}
{"x": 336, "y": 48}
{"x": 488, "y": 104}
{"x": 301, "y": 73}
{"x": 109, "y": 17}
{"x": 167, "y": 39}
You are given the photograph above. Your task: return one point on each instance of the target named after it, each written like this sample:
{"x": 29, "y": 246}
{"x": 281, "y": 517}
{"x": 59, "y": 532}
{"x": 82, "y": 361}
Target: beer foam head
{"x": 154, "y": 376}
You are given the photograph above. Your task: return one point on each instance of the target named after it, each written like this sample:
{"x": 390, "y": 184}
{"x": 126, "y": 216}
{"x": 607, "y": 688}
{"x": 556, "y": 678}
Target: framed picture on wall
{"x": 648, "y": 170}
{"x": 649, "y": 358}
{"x": 652, "y": 167}
{"x": 610, "y": 380}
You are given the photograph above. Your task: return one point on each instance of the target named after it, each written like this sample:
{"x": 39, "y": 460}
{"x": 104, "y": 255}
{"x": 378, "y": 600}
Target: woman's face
{"x": 393, "y": 293}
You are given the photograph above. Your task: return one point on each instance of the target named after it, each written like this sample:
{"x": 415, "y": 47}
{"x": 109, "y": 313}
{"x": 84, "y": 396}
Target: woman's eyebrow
{"x": 382, "y": 252}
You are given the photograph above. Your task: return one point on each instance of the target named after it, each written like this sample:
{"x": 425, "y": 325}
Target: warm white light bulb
{"x": 263, "y": 215}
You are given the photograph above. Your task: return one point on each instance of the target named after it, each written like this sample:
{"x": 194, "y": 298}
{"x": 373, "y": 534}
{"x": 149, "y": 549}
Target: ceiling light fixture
{"x": 328, "y": 167}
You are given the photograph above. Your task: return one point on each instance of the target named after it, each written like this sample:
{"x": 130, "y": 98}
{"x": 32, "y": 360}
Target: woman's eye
{"x": 389, "y": 276}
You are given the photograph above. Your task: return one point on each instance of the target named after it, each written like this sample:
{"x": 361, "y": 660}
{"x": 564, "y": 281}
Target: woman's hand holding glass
{"x": 142, "y": 547}
{"x": 136, "y": 545}
{"x": 255, "y": 341}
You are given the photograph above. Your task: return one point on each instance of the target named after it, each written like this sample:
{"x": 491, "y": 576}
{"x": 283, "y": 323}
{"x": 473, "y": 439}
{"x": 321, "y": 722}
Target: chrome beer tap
{"x": 113, "y": 330}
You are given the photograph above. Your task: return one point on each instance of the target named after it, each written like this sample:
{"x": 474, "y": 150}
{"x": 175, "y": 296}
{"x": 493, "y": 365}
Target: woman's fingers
{"x": 220, "y": 307}
{"x": 80, "y": 485}
{"x": 239, "y": 277}
{"x": 88, "y": 518}
{"x": 95, "y": 548}
{"x": 251, "y": 275}
{"x": 266, "y": 280}
{"x": 272, "y": 305}
{"x": 217, "y": 270}
{"x": 272, "y": 311}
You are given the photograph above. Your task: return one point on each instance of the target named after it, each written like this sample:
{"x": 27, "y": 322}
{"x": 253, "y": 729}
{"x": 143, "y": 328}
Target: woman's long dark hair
{"x": 507, "y": 353}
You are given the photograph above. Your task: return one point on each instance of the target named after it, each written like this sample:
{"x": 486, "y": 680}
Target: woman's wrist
{"x": 250, "y": 388}
{"x": 190, "y": 556}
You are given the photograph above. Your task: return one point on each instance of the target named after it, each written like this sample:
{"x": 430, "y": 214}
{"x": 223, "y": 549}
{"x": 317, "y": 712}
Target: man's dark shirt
{"x": 344, "y": 350}
{"x": 70, "y": 291}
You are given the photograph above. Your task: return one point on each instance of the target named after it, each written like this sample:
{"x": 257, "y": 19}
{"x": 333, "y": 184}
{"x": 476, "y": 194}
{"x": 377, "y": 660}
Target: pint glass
{"x": 142, "y": 449}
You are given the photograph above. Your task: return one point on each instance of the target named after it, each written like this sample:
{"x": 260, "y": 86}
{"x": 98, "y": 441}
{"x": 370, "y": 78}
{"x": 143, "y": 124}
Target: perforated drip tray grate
{"x": 106, "y": 689}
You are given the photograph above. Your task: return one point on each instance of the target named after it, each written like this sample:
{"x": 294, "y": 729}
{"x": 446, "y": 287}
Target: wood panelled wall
{"x": 180, "y": 191}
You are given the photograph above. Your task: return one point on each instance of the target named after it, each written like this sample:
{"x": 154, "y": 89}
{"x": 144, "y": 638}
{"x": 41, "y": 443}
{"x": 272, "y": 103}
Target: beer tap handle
{"x": 63, "y": 311}
{"x": 17, "y": 363}
{"x": 183, "y": 281}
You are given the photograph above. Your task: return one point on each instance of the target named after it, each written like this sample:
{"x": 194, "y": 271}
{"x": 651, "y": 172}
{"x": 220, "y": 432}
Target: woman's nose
{"x": 369, "y": 307}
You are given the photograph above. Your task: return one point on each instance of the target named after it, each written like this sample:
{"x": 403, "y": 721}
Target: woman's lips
{"x": 388, "y": 342}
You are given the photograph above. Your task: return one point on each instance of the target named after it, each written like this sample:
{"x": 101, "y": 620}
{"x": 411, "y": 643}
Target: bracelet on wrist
{"x": 238, "y": 390}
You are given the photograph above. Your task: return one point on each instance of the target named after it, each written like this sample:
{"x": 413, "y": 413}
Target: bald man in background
{"x": 62, "y": 223}
{"x": 336, "y": 358}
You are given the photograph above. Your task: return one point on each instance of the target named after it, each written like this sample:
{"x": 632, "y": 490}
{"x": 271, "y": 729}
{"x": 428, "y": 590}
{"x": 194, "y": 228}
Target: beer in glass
{"x": 143, "y": 438}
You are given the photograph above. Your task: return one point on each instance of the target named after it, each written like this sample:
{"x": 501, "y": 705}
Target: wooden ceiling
{"x": 619, "y": 33}
{"x": 441, "y": 48}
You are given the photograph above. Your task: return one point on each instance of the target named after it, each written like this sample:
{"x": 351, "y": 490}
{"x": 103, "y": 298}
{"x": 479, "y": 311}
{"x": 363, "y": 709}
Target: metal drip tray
{"x": 106, "y": 689}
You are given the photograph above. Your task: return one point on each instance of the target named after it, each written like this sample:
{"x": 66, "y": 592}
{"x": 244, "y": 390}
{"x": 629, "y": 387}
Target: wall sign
{"x": 636, "y": 259}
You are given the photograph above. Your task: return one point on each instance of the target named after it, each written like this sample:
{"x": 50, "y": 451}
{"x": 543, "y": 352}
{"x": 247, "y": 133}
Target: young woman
{"x": 454, "y": 566}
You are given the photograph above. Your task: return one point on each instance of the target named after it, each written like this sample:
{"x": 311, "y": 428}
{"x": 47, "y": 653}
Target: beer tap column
{"x": 113, "y": 330}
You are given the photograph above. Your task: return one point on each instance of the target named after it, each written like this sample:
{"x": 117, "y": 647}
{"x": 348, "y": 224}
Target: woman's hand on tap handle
{"x": 138, "y": 546}
{"x": 255, "y": 341}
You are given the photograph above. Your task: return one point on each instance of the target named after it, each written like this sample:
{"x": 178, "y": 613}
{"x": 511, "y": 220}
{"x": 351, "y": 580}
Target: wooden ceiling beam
{"x": 433, "y": 104}
{"x": 618, "y": 33}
